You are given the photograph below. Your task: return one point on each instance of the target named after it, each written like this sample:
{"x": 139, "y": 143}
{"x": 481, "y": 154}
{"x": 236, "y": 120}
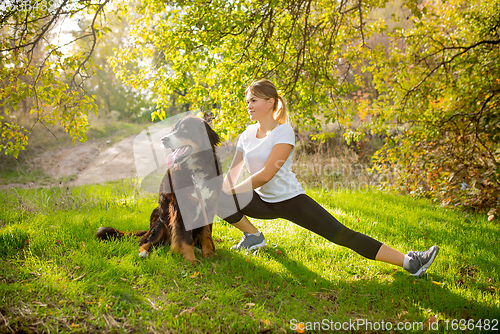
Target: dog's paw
{"x": 195, "y": 262}
{"x": 143, "y": 254}
{"x": 208, "y": 253}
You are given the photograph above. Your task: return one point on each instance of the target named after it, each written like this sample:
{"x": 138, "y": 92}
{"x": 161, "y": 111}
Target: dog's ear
{"x": 177, "y": 124}
{"x": 212, "y": 135}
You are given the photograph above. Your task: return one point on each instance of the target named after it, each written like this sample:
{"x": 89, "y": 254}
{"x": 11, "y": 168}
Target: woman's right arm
{"x": 233, "y": 173}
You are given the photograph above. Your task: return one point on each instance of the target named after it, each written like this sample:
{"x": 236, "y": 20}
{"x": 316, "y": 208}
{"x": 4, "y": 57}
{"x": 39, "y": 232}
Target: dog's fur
{"x": 193, "y": 162}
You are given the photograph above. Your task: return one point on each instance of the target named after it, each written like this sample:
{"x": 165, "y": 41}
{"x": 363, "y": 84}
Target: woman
{"x": 274, "y": 192}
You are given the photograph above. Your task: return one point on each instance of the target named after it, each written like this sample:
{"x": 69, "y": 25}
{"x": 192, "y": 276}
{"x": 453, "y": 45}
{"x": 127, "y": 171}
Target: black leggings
{"x": 303, "y": 211}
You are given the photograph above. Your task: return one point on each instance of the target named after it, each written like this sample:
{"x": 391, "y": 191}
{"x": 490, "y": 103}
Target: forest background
{"x": 423, "y": 76}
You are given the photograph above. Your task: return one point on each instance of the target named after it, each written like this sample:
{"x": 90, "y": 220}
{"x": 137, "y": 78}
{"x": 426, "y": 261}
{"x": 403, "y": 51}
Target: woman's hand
{"x": 277, "y": 158}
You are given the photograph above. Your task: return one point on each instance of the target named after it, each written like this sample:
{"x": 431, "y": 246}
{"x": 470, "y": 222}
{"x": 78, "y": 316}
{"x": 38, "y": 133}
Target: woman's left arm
{"x": 277, "y": 158}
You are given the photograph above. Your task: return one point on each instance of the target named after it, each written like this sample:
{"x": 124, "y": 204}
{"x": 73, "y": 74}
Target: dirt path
{"x": 90, "y": 162}
{"x": 97, "y": 162}
{"x": 112, "y": 163}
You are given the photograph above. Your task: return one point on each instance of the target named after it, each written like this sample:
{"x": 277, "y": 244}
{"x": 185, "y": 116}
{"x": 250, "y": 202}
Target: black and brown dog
{"x": 188, "y": 193}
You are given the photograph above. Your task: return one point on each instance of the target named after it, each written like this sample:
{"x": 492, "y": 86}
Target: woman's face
{"x": 257, "y": 107}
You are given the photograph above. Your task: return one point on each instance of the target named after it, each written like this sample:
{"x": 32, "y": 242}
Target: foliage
{"x": 427, "y": 78}
{"x": 440, "y": 87}
{"x": 109, "y": 93}
{"x": 211, "y": 50}
{"x": 429, "y": 75}
{"x": 35, "y": 71}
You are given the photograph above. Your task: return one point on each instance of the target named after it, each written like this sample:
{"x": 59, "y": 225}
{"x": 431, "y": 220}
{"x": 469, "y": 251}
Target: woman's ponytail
{"x": 281, "y": 112}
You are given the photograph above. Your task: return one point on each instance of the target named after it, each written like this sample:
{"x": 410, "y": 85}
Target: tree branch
{"x": 444, "y": 63}
{"x": 99, "y": 9}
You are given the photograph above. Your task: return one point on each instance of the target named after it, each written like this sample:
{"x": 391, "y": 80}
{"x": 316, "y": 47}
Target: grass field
{"x": 56, "y": 277}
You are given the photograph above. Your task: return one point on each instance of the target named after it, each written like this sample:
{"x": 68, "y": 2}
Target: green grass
{"x": 22, "y": 174}
{"x": 56, "y": 276}
{"x": 114, "y": 130}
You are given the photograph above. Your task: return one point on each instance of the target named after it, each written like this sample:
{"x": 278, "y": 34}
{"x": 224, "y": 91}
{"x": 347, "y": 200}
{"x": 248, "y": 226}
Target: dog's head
{"x": 190, "y": 135}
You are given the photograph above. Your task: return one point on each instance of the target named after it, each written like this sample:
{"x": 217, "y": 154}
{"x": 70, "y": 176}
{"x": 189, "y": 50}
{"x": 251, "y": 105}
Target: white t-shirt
{"x": 256, "y": 151}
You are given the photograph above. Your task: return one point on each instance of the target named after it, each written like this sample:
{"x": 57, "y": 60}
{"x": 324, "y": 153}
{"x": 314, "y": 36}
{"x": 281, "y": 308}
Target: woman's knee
{"x": 234, "y": 218}
{"x": 227, "y": 209}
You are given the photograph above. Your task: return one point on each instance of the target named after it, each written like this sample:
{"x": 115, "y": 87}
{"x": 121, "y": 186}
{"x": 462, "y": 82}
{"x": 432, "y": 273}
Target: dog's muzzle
{"x": 179, "y": 155}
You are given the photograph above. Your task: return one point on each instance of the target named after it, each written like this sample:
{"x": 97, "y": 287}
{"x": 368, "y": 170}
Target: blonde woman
{"x": 266, "y": 148}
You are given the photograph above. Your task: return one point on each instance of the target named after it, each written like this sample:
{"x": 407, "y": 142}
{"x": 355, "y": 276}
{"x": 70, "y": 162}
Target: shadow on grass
{"x": 371, "y": 294}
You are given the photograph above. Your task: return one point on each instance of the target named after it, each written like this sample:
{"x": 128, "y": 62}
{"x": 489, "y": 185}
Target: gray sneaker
{"x": 250, "y": 242}
{"x": 420, "y": 261}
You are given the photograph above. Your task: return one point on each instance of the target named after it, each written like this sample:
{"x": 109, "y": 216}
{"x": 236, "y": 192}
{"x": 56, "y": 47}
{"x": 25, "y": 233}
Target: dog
{"x": 187, "y": 196}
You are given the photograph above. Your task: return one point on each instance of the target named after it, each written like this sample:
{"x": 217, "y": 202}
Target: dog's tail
{"x": 107, "y": 233}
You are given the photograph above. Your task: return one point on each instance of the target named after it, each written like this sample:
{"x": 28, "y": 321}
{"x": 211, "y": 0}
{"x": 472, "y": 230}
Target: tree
{"x": 214, "y": 49}
{"x": 34, "y": 68}
{"x": 110, "y": 93}
{"x": 198, "y": 53}
{"x": 440, "y": 83}
{"x": 436, "y": 85}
